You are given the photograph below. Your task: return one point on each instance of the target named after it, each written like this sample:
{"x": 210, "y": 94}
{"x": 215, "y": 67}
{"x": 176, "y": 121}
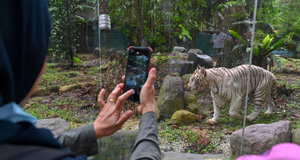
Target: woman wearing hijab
{"x": 24, "y": 35}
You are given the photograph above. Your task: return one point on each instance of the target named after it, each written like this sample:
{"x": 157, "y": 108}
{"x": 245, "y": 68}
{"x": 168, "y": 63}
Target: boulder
{"x": 260, "y": 137}
{"x": 175, "y": 74}
{"x": 186, "y": 67}
{"x": 194, "y": 51}
{"x": 171, "y": 96}
{"x": 202, "y": 60}
{"x": 183, "y": 55}
{"x": 186, "y": 78}
{"x": 157, "y": 111}
{"x": 105, "y": 66}
{"x": 296, "y": 136}
{"x": 188, "y": 156}
{"x": 53, "y": 88}
{"x": 117, "y": 146}
{"x": 69, "y": 87}
{"x": 183, "y": 117}
{"x": 179, "y": 49}
{"x": 40, "y": 91}
{"x": 189, "y": 98}
{"x": 56, "y": 125}
{"x": 192, "y": 107}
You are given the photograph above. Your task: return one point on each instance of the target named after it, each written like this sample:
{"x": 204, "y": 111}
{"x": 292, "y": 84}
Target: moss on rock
{"x": 189, "y": 98}
{"x": 192, "y": 107}
{"x": 183, "y": 117}
{"x": 69, "y": 87}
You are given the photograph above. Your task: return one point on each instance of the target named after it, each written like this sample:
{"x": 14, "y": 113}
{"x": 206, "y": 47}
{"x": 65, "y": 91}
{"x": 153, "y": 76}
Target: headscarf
{"x": 24, "y": 36}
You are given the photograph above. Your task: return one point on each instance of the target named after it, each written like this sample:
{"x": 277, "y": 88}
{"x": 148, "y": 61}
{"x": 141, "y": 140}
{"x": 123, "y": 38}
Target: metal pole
{"x": 248, "y": 76}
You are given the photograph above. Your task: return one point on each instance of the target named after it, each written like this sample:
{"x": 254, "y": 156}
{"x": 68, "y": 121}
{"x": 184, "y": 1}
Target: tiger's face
{"x": 197, "y": 79}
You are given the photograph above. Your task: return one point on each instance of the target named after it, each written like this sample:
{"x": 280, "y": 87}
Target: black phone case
{"x": 135, "y": 97}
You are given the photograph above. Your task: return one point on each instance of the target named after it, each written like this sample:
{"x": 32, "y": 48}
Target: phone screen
{"x": 136, "y": 69}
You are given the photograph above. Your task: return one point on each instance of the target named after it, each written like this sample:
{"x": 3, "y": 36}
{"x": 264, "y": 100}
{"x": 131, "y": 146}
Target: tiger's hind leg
{"x": 235, "y": 106}
{"x": 271, "y": 106}
{"x": 258, "y": 101}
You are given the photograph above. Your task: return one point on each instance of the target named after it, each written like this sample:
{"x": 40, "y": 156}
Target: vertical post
{"x": 248, "y": 76}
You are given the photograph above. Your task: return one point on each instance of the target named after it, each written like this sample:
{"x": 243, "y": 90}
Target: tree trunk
{"x": 142, "y": 40}
{"x": 70, "y": 53}
{"x": 239, "y": 56}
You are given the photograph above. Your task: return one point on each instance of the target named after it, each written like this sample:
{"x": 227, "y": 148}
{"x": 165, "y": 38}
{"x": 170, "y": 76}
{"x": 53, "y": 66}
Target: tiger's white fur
{"x": 230, "y": 85}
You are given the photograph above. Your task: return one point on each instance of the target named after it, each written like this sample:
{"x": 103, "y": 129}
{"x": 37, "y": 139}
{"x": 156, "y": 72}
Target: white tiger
{"x": 230, "y": 85}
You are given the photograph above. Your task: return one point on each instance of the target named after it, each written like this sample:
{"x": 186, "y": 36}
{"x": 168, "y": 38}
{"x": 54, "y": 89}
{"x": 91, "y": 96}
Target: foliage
{"x": 161, "y": 20}
{"x": 262, "y": 47}
{"x": 64, "y": 33}
{"x": 170, "y": 134}
{"x": 287, "y": 19}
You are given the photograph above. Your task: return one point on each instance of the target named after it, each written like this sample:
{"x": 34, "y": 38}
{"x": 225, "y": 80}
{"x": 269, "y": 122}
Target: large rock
{"x": 192, "y": 107}
{"x": 189, "y": 98}
{"x": 53, "y": 88}
{"x": 260, "y": 137}
{"x": 183, "y": 117}
{"x": 186, "y": 67}
{"x": 202, "y": 60}
{"x": 296, "y": 136}
{"x": 117, "y": 146}
{"x": 179, "y": 49}
{"x": 40, "y": 91}
{"x": 186, "y": 78}
{"x": 195, "y": 51}
{"x": 171, "y": 96}
{"x": 106, "y": 66}
{"x": 56, "y": 125}
{"x": 69, "y": 87}
{"x": 188, "y": 156}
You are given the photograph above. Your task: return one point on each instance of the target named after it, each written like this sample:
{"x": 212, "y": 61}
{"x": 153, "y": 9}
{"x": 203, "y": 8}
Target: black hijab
{"x": 24, "y": 35}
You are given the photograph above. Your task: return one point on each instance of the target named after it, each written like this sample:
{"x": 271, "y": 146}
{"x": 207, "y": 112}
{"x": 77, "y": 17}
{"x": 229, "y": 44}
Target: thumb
{"x": 151, "y": 77}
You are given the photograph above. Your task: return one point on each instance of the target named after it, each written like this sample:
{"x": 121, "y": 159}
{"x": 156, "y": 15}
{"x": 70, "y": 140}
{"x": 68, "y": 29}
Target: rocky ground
{"x": 77, "y": 103}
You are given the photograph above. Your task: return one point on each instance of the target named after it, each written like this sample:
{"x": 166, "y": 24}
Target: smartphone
{"x": 138, "y": 65}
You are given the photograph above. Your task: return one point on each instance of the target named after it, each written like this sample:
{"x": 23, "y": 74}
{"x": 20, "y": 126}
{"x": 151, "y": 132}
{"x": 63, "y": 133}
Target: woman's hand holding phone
{"x": 109, "y": 119}
{"x": 148, "y": 93}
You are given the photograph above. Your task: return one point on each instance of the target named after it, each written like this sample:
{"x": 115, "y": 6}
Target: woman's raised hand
{"x": 109, "y": 119}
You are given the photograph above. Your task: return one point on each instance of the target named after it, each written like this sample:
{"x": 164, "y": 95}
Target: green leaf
{"x": 76, "y": 59}
{"x": 237, "y": 47}
{"x": 81, "y": 19}
{"x": 266, "y": 42}
{"x": 237, "y": 36}
{"x": 255, "y": 51}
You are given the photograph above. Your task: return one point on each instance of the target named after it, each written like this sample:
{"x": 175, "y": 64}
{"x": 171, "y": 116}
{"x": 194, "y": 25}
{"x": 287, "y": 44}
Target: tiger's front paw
{"x": 211, "y": 122}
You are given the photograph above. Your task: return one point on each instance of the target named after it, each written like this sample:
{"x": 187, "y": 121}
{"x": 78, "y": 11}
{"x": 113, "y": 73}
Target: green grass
{"x": 63, "y": 108}
{"x": 170, "y": 134}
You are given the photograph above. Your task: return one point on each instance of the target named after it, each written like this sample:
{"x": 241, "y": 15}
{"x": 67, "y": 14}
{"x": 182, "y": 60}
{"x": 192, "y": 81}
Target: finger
{"x": 140, "y": 109}
{"x": 122, "y": 98}
{"x": 101, "y": 102}
{"x": 124, "y": 118}
{"x": 151, "y": 77}
{"x": 123, "y": 78}
{"x": 114, "y": 94}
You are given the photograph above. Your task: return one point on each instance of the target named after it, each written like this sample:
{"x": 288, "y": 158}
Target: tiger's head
{"x": 198, "y": 79}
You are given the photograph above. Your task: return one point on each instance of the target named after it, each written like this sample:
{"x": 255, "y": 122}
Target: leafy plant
{"x": 64, "y": 33}
{"x": 262, "y": 48}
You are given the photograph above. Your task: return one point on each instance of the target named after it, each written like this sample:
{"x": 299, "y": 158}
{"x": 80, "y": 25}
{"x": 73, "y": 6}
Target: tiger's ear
{"x": 199, "y": 67}
{"x": 203, "y": 71}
